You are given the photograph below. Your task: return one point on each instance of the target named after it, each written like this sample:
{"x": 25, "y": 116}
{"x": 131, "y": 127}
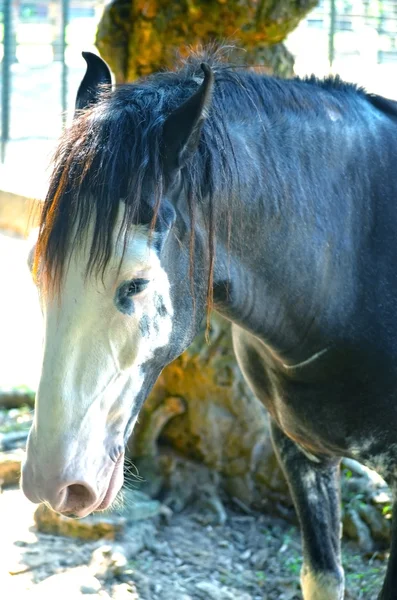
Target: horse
{"x": 269, "y": 201}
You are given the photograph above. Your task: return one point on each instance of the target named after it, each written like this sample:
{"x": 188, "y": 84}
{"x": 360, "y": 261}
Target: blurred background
{"x": 41, "y": 65}
{"x": 211, "y": 516}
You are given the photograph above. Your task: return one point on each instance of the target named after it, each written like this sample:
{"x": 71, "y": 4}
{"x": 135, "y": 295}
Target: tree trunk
{"x": 201, "y": 423}
{"x": 201, "y": 411}
{"x": 142, "y": 36}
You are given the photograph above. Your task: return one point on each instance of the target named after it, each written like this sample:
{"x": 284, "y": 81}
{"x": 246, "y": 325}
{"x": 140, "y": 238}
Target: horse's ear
{"x": 182, "y": 128}
{"x": 97, "y": 74}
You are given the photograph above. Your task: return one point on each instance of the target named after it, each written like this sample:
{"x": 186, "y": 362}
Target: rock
{"x": 259, "y": 559}
{"x": 137, "y": 580}
{"x": 166, "y": 513}
{"x": 91, "y": 587}
{"x": 367, "y": 503}
{"x": 379, "y": 526}
{"x": 211, "y": 591}
{"x": 133, "y": 546}
{"x": 134, "y": 540}
{"x": 210, "y": 506}
{"x": 125, "y": 591}
{"x": 383, "y": 497}
{"x": 10, "y": 467}
{"x": 95, "y": 527}
{"x": 357, "y": 530}
{"x": 138, "y": 506}
{"x": 74, "y": 583}
{"x": 157, "y": 547}
{"x": 32, "y": 559}
{"x": 108, "y": 561}
{"x": 245, "y": 555}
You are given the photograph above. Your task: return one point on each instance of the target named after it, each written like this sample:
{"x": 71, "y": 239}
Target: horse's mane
{"x": 113, "y": 149}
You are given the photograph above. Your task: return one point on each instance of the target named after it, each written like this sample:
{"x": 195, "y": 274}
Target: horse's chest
{"x": 307, "y": 411}
{"x": 306, "y": 414}
{"x": 335, "y": 405}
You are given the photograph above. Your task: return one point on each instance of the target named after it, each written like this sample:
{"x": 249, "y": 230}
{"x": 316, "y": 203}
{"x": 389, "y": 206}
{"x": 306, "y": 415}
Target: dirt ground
{"x": 250, "y": 557}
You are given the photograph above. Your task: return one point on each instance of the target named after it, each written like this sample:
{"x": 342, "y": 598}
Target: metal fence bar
{"x": 6, "y": 77}
{"x": 332, "y": 29}
{"x": 64, "y": 74}
{"x": 334, "y": 18}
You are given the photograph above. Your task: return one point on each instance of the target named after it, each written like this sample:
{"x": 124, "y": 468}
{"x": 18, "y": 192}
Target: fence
{"x": 356, "y": 39}
{"x": 41, "y": 65}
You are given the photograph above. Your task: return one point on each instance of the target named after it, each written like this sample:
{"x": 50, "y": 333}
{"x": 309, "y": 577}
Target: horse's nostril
{"x": 77, "y": 497}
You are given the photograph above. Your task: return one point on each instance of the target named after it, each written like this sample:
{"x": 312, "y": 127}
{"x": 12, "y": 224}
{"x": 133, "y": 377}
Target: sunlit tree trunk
{"x": 142, "y": 36}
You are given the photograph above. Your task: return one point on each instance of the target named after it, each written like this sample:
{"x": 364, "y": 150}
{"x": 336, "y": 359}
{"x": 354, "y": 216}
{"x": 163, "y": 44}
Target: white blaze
{"x": 93, "y": 357}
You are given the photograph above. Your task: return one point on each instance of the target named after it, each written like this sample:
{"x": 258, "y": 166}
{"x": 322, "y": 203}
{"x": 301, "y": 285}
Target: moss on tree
{"x": 137, "y": 37}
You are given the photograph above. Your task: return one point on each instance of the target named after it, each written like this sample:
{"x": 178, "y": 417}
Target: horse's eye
{"x": 135, "y": 286}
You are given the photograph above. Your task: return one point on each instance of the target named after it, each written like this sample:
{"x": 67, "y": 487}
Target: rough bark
{"x": 201, "y": 411}
{"x": 142, "y": 36}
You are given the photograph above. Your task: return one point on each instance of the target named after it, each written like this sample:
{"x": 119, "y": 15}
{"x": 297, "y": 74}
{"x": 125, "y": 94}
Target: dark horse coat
{"x": 276, "y": 203}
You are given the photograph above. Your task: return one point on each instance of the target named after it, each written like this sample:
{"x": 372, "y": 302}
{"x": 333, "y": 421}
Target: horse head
{"x": 115, "y": 284}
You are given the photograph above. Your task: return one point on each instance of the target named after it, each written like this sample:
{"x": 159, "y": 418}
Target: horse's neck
{"x": 278, "y": 277}
{"x": 266, "y": 299}
{"x": 315, "y": 197}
